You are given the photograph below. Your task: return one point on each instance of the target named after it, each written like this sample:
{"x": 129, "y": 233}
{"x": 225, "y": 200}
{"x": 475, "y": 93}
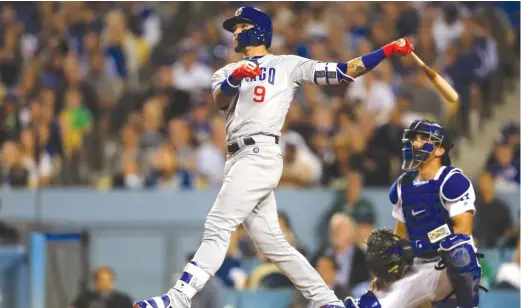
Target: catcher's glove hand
{"x": 389, "y": 256}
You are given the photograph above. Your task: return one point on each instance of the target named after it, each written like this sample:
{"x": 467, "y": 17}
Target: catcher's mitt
{"x": 389, "y": 256}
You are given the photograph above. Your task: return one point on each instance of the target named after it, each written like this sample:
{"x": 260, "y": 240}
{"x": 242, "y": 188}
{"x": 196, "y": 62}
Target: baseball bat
{"x": 439, "y": 83}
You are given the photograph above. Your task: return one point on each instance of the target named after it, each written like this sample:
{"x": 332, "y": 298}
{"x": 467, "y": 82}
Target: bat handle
{"x": 417, "y": 59}
{"x": 428, "y": 71}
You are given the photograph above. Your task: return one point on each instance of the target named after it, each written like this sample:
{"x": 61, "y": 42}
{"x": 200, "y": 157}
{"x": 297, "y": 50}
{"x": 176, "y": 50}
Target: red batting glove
{"x": 402, "y": 46}
{"x": 246, "y": 69}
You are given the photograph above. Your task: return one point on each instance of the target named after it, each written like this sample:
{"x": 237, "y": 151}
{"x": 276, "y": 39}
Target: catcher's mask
{"x": 433, "y": 136}
{"x": 389, "y": 257}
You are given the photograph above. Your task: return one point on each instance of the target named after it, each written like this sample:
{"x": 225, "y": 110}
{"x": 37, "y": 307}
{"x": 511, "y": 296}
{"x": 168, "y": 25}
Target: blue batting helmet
{"x": 260, "y": 34}
{"x": 433, "y": 136}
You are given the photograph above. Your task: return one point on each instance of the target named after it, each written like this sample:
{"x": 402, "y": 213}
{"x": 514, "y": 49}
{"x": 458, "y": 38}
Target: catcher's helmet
{"x": 260, "y": 34}
{"x": 433, "y": 136}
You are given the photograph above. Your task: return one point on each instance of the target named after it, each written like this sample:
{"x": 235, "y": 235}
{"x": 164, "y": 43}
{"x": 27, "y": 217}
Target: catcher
{"x": 431, "y": 251}
{"x": 391, "y": 259}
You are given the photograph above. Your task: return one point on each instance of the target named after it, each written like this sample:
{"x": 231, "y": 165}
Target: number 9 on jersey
{"x": 259, "y": 93}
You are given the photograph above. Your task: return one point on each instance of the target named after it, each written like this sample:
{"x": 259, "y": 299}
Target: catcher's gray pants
{"x": 424, "y": 284}
{"x": 247, "y": 197}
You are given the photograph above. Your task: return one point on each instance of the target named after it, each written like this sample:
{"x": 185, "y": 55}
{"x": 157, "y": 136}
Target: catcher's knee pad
{"x": 368, "y": 300}
{"x": 463, "y": 269}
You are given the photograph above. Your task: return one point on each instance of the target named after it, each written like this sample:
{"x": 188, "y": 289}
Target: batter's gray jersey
{"x": 261, "y": 105}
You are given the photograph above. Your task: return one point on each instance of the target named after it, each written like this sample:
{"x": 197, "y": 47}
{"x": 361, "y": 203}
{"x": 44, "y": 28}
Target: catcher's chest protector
{"x": 422, "y": 206}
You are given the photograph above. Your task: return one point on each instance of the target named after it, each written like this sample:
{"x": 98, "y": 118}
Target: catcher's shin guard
{"x": 463, "y": 269}
{"x": 368, "y": 300}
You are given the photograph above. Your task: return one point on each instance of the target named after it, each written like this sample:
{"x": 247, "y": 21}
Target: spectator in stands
{"x": 104, "y": 294}
{"x": 76, "y": 121}
{"x": 289, "y": 234}
{"x": 125, "y": 159}
{"x": 512, "y": 235}
{"x": 14, "y": 174}
{"x": 211, "y": 155}
{"x": 152, "y": 121}
{"x": 200, "y": 118}
{"x": 425, "y": 101}
{"x": 489, "y": 58}
{"x": 323, "y": 148}
{"x": 38, "y": 163}
{"x": 349, "y": 201}
{"x": 164, "y": 173}
{"x": 110, "y": 54}
{"x": 493, "y": 218}
{"x": 108, "y": 88}
{"x": 211, "y": 295}
{"x": 180, "y": 139}
{"x": 178, "y": 102}
{"x": 8, "y": 234}
{"x": 502, "y": 31}
{"x": 376, "y": 95}
{"x": 381, "y": 160}
{"x": 297, "y": 172}
{"x": 505, "y": 168}
{"x": 121, "y": 46}
{"x": 246, "y": 244}
{"x": 10, "y": 122}
{"x": 508, "y": 275}
{"x": 462, "y": 62}
{"x": 327, "y": 267}
{"x": 189, "y": 74}
{"x": 448, "y": 26}
{"x": 304, "y": 154}
{"x": 11, "y": 60}
{"x": 352, "y": 267}
{"x": 509, "y": 135}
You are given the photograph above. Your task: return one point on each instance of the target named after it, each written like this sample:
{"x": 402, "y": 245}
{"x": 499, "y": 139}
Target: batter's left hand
{"x": 402, "y": 47}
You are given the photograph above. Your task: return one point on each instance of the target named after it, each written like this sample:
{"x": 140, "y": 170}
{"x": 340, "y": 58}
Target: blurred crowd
{"x": 117, "y": 95}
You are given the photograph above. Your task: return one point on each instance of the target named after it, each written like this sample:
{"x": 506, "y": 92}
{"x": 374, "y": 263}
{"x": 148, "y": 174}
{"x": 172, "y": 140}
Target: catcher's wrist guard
{"x": 389, "y": 256}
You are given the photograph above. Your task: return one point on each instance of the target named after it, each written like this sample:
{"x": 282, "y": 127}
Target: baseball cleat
{"x": 155, "y": 302}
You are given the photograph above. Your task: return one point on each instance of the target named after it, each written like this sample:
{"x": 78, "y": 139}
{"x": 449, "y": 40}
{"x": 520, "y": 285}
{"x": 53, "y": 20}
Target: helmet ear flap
{"x": 254, "y": 36}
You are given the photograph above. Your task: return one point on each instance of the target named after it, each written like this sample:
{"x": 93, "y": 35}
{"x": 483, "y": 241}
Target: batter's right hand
{"x": 246, "y": 69}
{"x": 402, "y": 47}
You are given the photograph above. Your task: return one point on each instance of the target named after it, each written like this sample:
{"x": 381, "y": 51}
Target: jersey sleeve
{"x": 394, "y": 197}
{"x": 219, "y": 76}
{"x": 458, "y": 194}
{"x": 303, "y": 69}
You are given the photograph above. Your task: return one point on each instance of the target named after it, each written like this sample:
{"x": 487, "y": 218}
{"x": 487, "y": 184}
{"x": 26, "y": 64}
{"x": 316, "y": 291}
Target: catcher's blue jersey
{"x": 426, "y": 207}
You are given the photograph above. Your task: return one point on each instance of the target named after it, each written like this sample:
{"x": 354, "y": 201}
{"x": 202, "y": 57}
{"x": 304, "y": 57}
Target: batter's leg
{"x": 263, "y": 226}
{"x": 249, "y": 178}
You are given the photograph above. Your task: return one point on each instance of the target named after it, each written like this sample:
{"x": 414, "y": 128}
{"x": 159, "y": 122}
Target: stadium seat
{"x": 275, "y": 281}
{"x": 493, "y": 258}
{"x": 263, "y": 299}
{"x": 231, "y": 298}
{"x": 248, "y": 264}
{"x": 500, "y": 299}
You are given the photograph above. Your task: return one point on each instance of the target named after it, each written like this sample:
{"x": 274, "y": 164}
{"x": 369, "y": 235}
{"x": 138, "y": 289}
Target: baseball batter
{"x": 255, "y": 95}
